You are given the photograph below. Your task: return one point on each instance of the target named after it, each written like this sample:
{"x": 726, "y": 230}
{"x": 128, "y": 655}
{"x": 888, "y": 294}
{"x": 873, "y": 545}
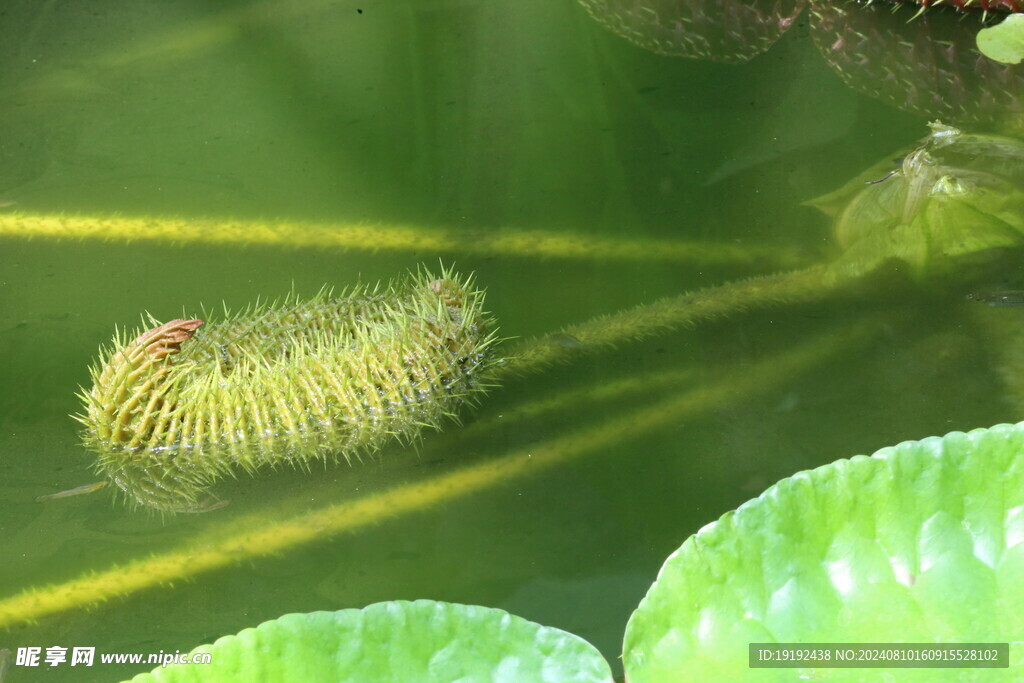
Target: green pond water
{"x": 506, "y": 115}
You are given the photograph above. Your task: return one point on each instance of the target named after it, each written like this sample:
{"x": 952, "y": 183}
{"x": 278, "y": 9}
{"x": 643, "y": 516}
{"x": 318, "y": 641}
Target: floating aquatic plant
{"x": 921, "y": 542}
{"x": 177, "y": 406}
{"x": 435, "y": 642}
{"x": 1004, "y": 42}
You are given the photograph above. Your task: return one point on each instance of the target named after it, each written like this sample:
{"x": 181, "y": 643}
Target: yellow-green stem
{"x": 800, "y": 286}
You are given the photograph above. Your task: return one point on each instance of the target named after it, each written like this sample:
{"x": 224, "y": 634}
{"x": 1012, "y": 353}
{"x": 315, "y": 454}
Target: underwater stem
{"x": 605, "y": 332}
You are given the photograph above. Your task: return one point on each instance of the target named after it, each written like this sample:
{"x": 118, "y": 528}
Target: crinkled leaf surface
{"x": 921, "y": 542}
{"x": 945, "y": 235}
{"x": 396, "y": 641}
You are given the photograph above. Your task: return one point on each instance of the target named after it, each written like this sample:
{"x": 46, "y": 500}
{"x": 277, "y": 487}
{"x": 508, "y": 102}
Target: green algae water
{"x": 168, "y": 159}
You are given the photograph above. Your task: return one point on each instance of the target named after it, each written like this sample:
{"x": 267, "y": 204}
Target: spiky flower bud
{"x": 176, "y": 407}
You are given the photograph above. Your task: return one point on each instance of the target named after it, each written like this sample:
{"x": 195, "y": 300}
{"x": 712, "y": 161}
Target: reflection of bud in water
{"x": 953, "y": 196}
{"x": 733, "y": 31}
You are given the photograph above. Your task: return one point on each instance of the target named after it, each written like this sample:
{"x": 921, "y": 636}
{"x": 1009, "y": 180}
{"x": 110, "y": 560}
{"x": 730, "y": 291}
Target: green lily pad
{"x": 395, "y": 641}
{"x": 1004, "y": 42}
{"x": 921, "y": 542}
